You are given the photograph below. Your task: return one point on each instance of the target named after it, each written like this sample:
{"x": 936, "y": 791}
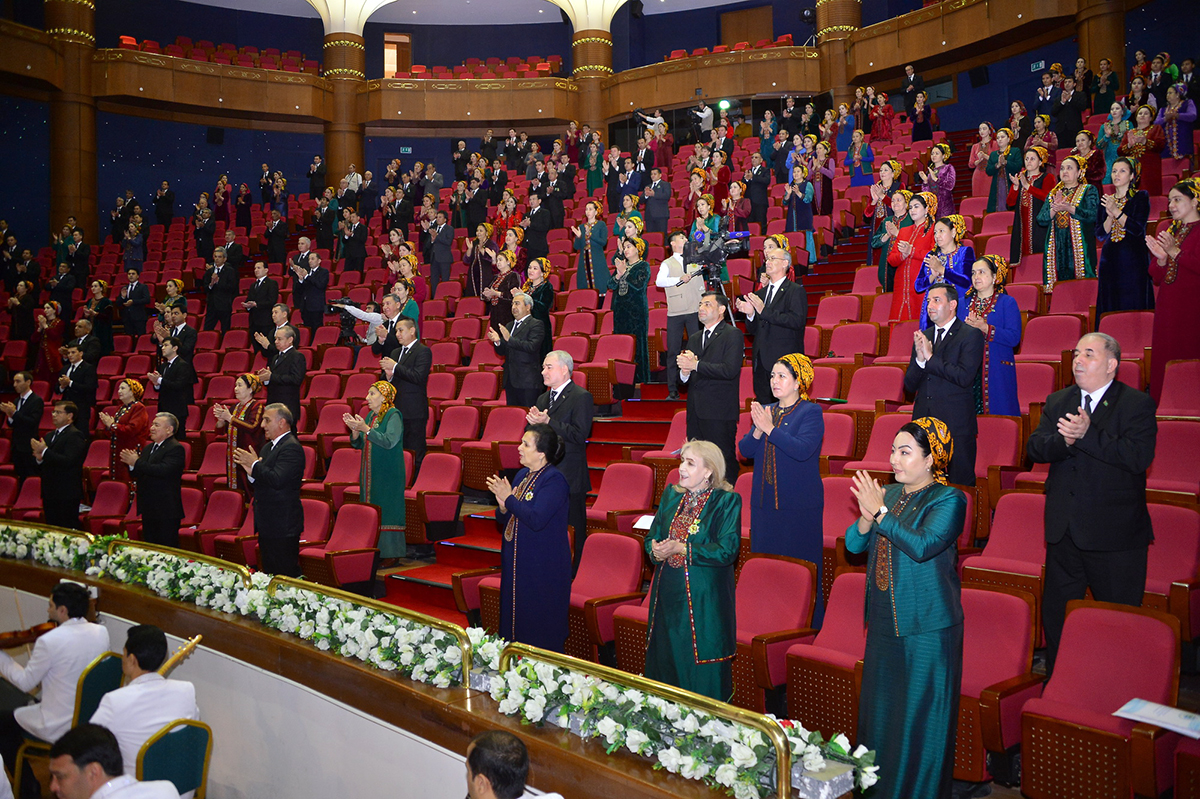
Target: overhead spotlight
{"x": 723, "y": 105}
{"x": 808, "y": 16}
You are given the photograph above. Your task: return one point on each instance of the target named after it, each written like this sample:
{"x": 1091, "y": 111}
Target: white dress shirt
{"x": 772, "y": 292}
{"x": 126, "y": 787}
{"x": 1096, "y": 396}
{"x": 142, "y": 708}
{"x": 707, "y": 331}
{"x": 267, "y": 447}
{"x": 58, "y": 658}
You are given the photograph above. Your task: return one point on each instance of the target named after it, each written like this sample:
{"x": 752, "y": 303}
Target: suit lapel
{"x": 1107, "y": 403}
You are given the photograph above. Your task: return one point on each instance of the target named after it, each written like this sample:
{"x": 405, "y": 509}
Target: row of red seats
{"x": 783, "y": 41}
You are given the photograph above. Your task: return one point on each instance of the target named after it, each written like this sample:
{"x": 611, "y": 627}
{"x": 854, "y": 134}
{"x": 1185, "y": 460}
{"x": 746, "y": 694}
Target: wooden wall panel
{"x": 748, "y": 25}
{"x": 480, "y": 102}
{"x": 29, "y": 57}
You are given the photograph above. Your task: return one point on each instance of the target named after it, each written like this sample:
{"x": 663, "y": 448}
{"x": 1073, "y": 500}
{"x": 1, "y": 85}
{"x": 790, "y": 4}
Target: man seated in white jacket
{"x": 86, "y": 764}
{"x": 497, "y": 765}
{"x": 149, "y": 701}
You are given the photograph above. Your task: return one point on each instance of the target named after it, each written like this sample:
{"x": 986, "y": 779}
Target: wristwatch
{"x": 879, "y": 513}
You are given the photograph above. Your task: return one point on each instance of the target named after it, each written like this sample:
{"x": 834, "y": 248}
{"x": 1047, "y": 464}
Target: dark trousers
{"x": 962, "y": 463}
{"x": 215, "y": 316}
{"x": 438, "y": 271}
{"x": 414, "y": 440}
{"x": 164, "y": 532}
{"x": 24, "y": 464}
{"x": 522, "y": 397}
{"x": 723, "y": 433}
{"x": 61, "y": 514}
{"x": 577, "y": 518}
{"x": 678, "y": 330}
{"x": 1113, "y": 577}
{"x": 762, "y": 383}
{"x": 279, "y": 555}
{"x": 758, "y": 213}
{"x": 355, "y": 264}
{"x": 313, "y": 319}
{"x": 656, "y": 224}
{"x": 83, "y": 418}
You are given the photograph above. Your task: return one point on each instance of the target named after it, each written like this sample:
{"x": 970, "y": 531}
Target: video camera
{"x": 346, "y": 322}
{"x": 710, "y": 251}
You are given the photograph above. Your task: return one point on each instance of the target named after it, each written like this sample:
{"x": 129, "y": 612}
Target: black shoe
{"x": 674, "y": 395}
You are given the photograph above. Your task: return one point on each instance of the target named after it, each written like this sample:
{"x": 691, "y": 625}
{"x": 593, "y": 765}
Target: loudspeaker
{"x": 215, "y": 136}
{"x": 978, "y": 76}
{"x": 808, "y": 16}
{"x": 635, "y": 9}
{"x": 566, "y": 20}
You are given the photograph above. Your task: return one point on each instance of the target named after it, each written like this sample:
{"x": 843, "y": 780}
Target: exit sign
{"x": 405, "y": 151}
{"x": 1037, "y": 66}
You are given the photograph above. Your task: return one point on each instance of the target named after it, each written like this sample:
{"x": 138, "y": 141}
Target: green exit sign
{"x": 1037, "y": 66}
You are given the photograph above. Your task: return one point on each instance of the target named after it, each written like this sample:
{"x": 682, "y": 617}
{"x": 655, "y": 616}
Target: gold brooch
{"x": 528, "y": 495}
{"x": 695, "y": 528}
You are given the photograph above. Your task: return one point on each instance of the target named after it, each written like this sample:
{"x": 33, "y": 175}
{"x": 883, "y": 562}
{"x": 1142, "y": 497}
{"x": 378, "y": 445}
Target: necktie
{"x": 937, "y": 338}
{"x": 516, "y": 324}
{"x": 704, "y": 341}
{"x": 403, "y": 353}
{"x": 770, "y": 296}
{"x": 1087, "y": 404}
{"x": 50, "y": 440}
{"x": 553, "y": 400}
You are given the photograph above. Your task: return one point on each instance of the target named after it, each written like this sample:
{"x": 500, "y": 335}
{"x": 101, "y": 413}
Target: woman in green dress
{"x": 631, "y": 309}
{"x": 629, "y": 210}
{"x": 694, "y": 539}
{"x": 887, "y": 233}
{"x": 1070, "y": 214}
{"x": 590, "y": 240}
{"x": 592, "y": 165}
{"x": 1005, "y": 160}
{"x": 912, "y": 667}
{"x": 537, "y": 286}
{"x": 381, "y": 478}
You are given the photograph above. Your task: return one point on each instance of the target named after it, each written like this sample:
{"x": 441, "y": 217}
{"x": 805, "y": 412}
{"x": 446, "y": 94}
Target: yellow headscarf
{"x": 781, "y": 241}
{"x": 509, "y": 256}
{"x": 941, "y": 445}
{"x": 178, "y": 285}
{"x": 945, "y": 148}
{"x": 388, "y": 392}
{"x": 930, "y": 201}
{"x": 796, "y": 165}
{"x": 906, "y": 194}
{"x": 1045, "y": 120}
{"x": 1002, "y": 269}
{"x": 253, "y": 381}
{"x": 741, "y": 184}
{"x": 802, "y": 368}
{"x": 896, "y": 167}
{"x": 698, "y": 171}
{"x": 519, "y": 232}
{"x": 1041, "y": 152}
{"x": 958, "y": 224}
{"x": 637, "y": 222}
{"x": 136, "y": 388}
{"x": 709, "y": 199}
{"x": 640, "y": 244}
{"x": 103, "y": 286}
{"x": 1007, "y": 132}
{"x": 488, "y": 229}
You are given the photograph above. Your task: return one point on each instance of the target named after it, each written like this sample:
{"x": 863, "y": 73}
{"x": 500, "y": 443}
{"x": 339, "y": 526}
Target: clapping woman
{"x": 989, "y": 309}
{"x": 907, "y": 256}
{"x": 949, "y": 261}
{"x": 1125, "y": 283}
{"x": 128, "y": 428}
{"x": 1070, "y": 214}
{"x": 1175, "y": 268}
{"x": 242, "y": 427}
{"x": 381, "y": 476}
{"x": 694, "y": 540}
{"x": 631, "y": 311}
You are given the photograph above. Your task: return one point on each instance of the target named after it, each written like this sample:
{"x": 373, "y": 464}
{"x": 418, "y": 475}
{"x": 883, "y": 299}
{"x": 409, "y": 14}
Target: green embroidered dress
{"x": 382, "y": 479}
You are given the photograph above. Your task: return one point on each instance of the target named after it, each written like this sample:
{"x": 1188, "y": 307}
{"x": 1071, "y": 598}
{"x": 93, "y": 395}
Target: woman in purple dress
{"x": 939, "y": 178}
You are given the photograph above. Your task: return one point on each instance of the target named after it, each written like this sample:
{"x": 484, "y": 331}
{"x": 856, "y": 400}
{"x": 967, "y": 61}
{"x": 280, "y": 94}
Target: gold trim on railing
{"x": 596, "y": 67}
{"x": 464, "y": 643}
{"x": 774, "y": 733}
{"x": 236, "y": 568}
{"x": 592, "y": 40}
{"x": 72, "y": 32}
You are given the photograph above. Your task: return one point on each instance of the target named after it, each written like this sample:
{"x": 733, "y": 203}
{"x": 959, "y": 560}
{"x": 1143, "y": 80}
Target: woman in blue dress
{"x": 845, "y": 128}
{"x": 785, "y": 445}
{"x": 535, "y": 578}
{"x": 949, "y": 262}
{"x": 912, "y": 667}
{"x": 861, "y": 160}
{"x": 797, "y": 201}
{"x": 1125, "y": 283}
{"x": 988, "y": 308}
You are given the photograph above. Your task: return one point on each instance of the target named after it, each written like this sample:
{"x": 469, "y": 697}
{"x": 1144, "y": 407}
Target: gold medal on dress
{"x": 528, "y": 496}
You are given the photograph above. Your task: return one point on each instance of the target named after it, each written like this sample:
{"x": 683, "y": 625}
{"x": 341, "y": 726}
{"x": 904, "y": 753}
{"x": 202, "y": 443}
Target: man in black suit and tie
{"x": 912, "y": 85}
{"x": 205, "y": 230}
{"x": 724, "y": 142}
{"x": 316, "y": 177}
{"x": 285, "y": 375}
{"x": 354, "y": 243}
{"x": 277, "y": 474}
{"x": 24, "y": 417}
{"x": 159, "y": 475}
{"x": 630, "y": 179}
{"x": 275, "y": 237}
{"x": 537, "y": 224}
{"x": 88, "y": 344}
{"x": 176, "y": 317}
{"x": 77, "y": 383}
{"x": 569, "y": 410}
{"x": 711, "y": 366}
{"x": 408, "y": 370}
{"x": 325, "y": 218}
{"x": 265, "y": 185}
{"x": 135, "y": 296}
{"x": 164, "y": 205}
{"x": 521, "y": 345}
{"x": 775, "y": 316}
{"x": 658, "y": 202}
{"x": 441, "y": 239}
{"x": 175, "y": 382}
{"x": 557, "y": 192}
{"x": 61, "y": 455}
{"x": 945, "y": 361}
{"x": 643, "y": 159}
{"x": 221, "y": 286}
{"x": 368, "y": 197}
{"x": 387, "y": 333}
{"x": 235, "y": 254}
{"x": 300, "y": 257}
{"x": 1068, "y": 110}
{"x": 758, "y": 185}
{"x": 261, "y": 297}
{"x": 79, "y": 257}
{"x": 309, "y": 290}
{"x": 1099, "y": 438}
{"x": 62, "y": 289}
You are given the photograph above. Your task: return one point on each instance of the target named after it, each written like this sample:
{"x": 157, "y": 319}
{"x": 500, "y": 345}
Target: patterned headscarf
{"x": 637, "y": 222}
{"x": 698, "y": 171}
{"x": 945, "y": 148}
{"x": 135, "y": 388}
{"x": 640, "y": 244}
{"x": 802, "y": 167}
{"x": 1007, "y": 132}
{"x": 1079, "y": 162}
{"x": 941, "y": 446}
{"x": 519, "y": 232}
{"x": 54, "y": 304}
{"x": 930, "y": 200}
{"x": 488, "y": 229}
{"x": 1091, "y": 136}
{"x": 1002, "y": 269}
{"x": 388, "y": 392}
{"x": 957, "y": 224}
{"x": 596, "y": 205}
{"x": 1181, "y": 89}
{"x": 896, "y": 167}
{"x": 991, "y": 130}
{"x": 906, "y": 194}
{"x": 177, "y": 283}
{"x": 709, "y": 199}
{"x": 781, "y": 241}
{"x": 809, "y": 137}
{"x": 544, "y": 263}
{"x": 253, "y": 381}
{"x": 1041, "y": 152}
{"x": 408, "y": 285}
{"x": 509, "y": 256}
{"x": 1045, "y": 120}
{"x": 1056, "y": 67}
{"x": 1023, "y": 112}
{"x": 802, "y": 368}
{"x": 741, "y": 184}
{"x": 410, "y": 259}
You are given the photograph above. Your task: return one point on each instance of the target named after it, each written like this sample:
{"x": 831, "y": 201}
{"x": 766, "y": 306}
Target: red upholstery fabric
{"x": 870, "y": 383}
{"x": 1018, "y": 530}
{"x": 1175, "y": 466}
{"x": 763, "y": 608}
{"x": 849, "y": 339}
{"x": 998, "y": 444}
{"x": 458, "y": 421}
{"x": 879, "y": 446}
{"x": 1046, "y": 337}
{"x": 840, "y": 507}
{"x": 837, "y": 308}
{"x": 625, "y": 486}
{"x": 843, "y": 631}
{"x": 610, "y": 564}
{"x": 997, "y": 646}
{"x": 1181, "y": 390}
{"x": 676, "y": 437}
{"x": 1175, "y": 553}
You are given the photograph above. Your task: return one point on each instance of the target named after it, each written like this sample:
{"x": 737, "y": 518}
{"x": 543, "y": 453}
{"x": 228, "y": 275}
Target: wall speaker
{"x": 979, "y": 77}
{"x": 635, "y": 9}
{"x": 215, "y": 136}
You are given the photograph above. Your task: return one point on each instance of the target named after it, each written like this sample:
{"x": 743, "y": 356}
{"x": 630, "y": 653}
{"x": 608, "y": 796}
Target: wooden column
{"x": 836, "y": 20}
{"x": 73, "y": 187}
{"x": 591, "y": 53}
{"x": 345, "y": 69}
{"x": 1100, "y": 27}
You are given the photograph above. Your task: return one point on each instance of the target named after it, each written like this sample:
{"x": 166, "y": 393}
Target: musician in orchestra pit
{"x": 148, "y": 701}
{"x": 58, "y": 659}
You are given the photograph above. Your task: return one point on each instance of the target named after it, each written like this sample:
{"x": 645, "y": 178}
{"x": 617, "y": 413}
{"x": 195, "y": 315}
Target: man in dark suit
{"x": 325, "y": 218}
{"x": 724, "y": 142}
{"x": 557, "y": 192}
{"x": 159, "y": 475}
{"x": 61, "y": 455}
{"x": 368, "y": 197}
{"x": 521, "y": 345}
{"x": 300, "y": 257}
{"x": 62, "y": 289}
{"x": 175, "y": 382}
{"x": 945, "y": 361}
{"x": 611, "y": 169}
{"x": 658, "y": 202}
{"x": 441, "y": 239}
{"x": 775, "y": 316}
{"x": 277, "y": 474}
{"x": 711, "y": 366}
{"x": 316, "y": 177}
{"x": 235, "y": 254}
{"x": 285, "y": 375}
{"x": 310, "y": 289}
{"x": 275, "y": 237}
{"x": 261, "y": 297}
{"x": 265, "y": 185}
{"x": 1099, "y": 438}
{"x": 354, "y": 243}
{"x": 643, "y": 159}
{"x": 77, "y": 383}
{"x": 135, "y": 296}
{"x": 537, "y": 225}
{"x": 1068, "y": 111}
{"x": 88, "y": 344}
{"x": 476, "y": 204}
{"x": 408, "y": 370}
{"x": 205, "y": 230}
{"x": 24, "y": 417}
{"x": 79, "y": 257}
{"x": 387, "y": 333}
{"x": 758, "y": 185}
{"x": 912, "y": 85}
{"x": 187, "y": 336}
{"x": 221, "y": 286}
{"x": 164, "y": 205}
{"x": 630, "y": 179}
{"x": 568, "y": 409}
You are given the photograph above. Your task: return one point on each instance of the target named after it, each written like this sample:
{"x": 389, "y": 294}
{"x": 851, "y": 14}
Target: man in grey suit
{"x": 521, "y": 346}
{"x": 658, "y": 200}
{"x": 441, "y": 236}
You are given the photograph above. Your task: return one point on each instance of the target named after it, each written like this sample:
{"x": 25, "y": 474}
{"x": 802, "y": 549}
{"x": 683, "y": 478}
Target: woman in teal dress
{"x": 706, "y": 225}
{"x": 912, "y": 668}
{"x": 694, "y": 540}
{"x": 537, "y": 286}
{"x": 629, "y": 210}
{"x": 381, "y": 477}
{"x": 590, "y": 239}
{"x": 785, "y": 444}
{"x": 1004, "y": 161}
{"x": 885, "y": 235}
{"x": 1070, "y": 214}
{"x": 630, "y": 307}
{"x": 403, "y": 289}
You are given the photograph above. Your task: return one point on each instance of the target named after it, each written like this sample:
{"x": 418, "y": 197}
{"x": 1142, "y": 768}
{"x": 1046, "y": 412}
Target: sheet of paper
{"x": 1170, "y": 718}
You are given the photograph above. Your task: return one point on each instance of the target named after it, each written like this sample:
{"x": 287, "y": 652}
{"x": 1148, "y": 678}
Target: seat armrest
{"x": 456, "y": 580}
{"x": 1179, "y": 604}
{"x": 615, "y": 516}
{"x": 989, "y": 706}
{"x": 590, "y": 606}
{"x": 758, "y": 651}
{"x": 439, "y": 506}
{"x": 1143, "y": 759}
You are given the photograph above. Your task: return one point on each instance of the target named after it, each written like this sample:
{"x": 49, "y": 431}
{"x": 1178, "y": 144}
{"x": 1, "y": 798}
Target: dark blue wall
{"x": 1162, "y": 25}
{"x": 163, "y": 20}
{"x": 25, "y": 173}
{"x": 450, "y": 45}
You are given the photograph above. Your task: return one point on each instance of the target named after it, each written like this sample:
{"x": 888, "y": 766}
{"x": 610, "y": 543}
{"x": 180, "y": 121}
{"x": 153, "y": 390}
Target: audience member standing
{"x": 285, "y": 374}
{"x": 159, "y": 475}
{"x": 683, "y": 288}
{"x": 441, "y": 256}
{"x": 775, "y": 316}
{"x": 77, "y": 383}
{"x": 1098, "y": 437}
{"x": 261, "y": 297}
{"x": 521, "y": 345}
{"x": 175, "y": 382}
{"x": 61, "y": 454}
{"x": 277, "y": 474}
{"x": 658, "y": 201}
{"x": 221, "y": 286}
{"x": 316, "y": 177}
{"x": 1175, "y": 268}
{"x": 408, "y": 370}
{"x": 24, "y": 417}
{"x": 354, "y": 243}
{"x": 312, "y": 282}
{"x": 711, "y": 366}
{"x": 133, "y": 301}
{"x": 912, "y": 84}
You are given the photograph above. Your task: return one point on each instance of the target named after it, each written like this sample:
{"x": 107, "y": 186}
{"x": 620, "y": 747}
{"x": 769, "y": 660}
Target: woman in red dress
{"x": 719, "y": 177}
{"x": 241, "y": 426}
{"x": 1085, "y": 148}
{"x": 908, "y": 256}
{"x": 47, "y": 340}
{"x": 1142, "y": 144}
{"x": 128, "y": 428}
{"x": 1175, "y": 269}
{"x": 507, "y": 216}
